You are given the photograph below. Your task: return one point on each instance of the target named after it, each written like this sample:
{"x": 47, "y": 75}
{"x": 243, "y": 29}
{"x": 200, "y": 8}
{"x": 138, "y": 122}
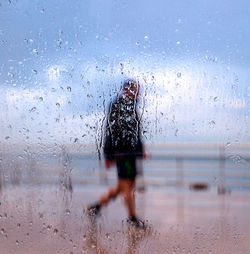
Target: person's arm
{"x": 109, "y": 163}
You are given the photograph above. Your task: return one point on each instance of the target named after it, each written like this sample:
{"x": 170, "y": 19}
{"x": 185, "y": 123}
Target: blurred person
{"x": 122, "y": 146}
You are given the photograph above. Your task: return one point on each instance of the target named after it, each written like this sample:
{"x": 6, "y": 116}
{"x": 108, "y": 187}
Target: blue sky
{"x": 62, "y": 62}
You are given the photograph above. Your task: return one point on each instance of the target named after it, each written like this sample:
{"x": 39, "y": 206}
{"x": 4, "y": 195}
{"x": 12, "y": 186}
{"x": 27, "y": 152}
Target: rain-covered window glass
{"x": 124, "y": 126}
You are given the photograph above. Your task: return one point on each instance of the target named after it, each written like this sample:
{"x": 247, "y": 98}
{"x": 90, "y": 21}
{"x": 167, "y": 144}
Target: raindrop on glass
{"x": 107, "y": 235}
{"x": 176, "y": 132}
{"x": 33, "y": 109}
{"x": 10, "y": 74}
{"x": 67, "y": 211}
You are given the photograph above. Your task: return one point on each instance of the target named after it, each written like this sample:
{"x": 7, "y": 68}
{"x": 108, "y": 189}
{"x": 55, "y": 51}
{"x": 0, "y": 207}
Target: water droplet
{"x": 176, "y": 132}
{"x": 137, "y": 43}
{"x": 69, "y": 88}
{"x": 33, "y": 109}
{"x": 10, "y": 74}
{"x": 17, "y": 243}
{"x": 59, "y": 43}
{"x": 236, "y": 158}
{"x": 179, "y": 75}
{"x": 215, "y": 98}
{"x": 211, "y": 122}
{"x": 40, "y": 98}
{"x": 67, "y": 211}
{"x": 107, "y": 235}
{"x": 7, "y": 137}
{"x": 178, "y": 42}
{"x": 35, "y": 51}
{"x": 58, "y": 104}
{"x": 145, "y": 37}
{"x": 34, "y": 71}
{"x": 48, "y": 227}
{"x": 55, "y": 231}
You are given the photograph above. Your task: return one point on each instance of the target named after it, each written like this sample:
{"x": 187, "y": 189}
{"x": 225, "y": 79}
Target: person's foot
{"x": 134, "y": 221}
{"x": 93, "y": 210}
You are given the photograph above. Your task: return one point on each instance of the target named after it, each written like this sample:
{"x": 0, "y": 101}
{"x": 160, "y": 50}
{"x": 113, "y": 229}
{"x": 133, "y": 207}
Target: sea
{"x": 193, "y": 166}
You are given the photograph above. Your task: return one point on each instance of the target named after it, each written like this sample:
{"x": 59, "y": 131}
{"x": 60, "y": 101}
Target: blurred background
{"x": 62, "y": 62}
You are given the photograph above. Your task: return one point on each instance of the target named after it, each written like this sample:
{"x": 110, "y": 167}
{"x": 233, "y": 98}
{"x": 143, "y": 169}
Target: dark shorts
{"x": 126, "y": 168}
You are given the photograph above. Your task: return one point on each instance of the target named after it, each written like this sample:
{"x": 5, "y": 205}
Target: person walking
{"x": 122, "y": 146}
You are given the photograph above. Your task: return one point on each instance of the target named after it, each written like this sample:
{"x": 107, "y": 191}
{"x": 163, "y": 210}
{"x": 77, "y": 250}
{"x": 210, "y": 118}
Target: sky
{"x": 62, "y": 62}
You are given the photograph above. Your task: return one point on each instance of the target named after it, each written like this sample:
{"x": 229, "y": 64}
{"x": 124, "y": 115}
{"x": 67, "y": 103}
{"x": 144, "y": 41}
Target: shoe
{"x": 137, "y": 223}
{"x": 93, "y": 210}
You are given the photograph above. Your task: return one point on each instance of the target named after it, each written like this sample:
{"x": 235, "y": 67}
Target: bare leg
{"x": 112, "y": 193}
{"x": 127, "y": 188}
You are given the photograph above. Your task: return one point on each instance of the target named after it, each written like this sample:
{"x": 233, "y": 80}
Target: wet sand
{"x": 50, "y": 219}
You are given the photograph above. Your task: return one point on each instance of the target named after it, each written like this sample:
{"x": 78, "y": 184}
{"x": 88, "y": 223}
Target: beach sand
{"x": 49, "y": 219}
